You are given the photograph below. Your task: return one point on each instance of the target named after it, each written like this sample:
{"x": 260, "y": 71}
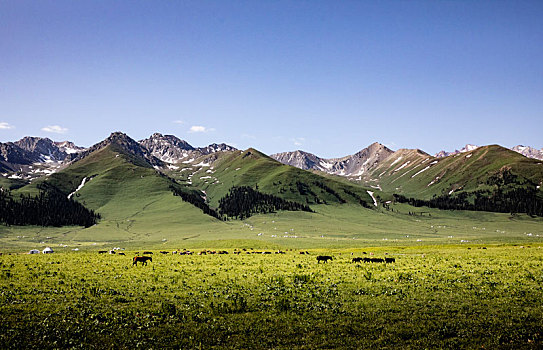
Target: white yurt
{"x": 47, "y": 250}
{"x": 34, "y": 251}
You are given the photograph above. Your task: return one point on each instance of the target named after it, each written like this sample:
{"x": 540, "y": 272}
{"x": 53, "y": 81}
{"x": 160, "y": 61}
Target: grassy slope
{"x": 331, "y": 226}
{"x": 138, "y": 209}
{"x": 11, "y": 184}
{"x": 134, "y": 200}
{"x": 250, "y": 168}
{"x": 467, "y": 171}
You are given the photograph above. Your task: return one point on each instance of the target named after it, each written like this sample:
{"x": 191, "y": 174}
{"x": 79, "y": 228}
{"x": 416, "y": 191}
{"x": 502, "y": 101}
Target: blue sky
{"x": 328, "y": 77}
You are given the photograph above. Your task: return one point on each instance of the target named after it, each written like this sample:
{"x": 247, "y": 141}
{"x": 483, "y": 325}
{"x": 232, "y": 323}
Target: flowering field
{"x": 430, "y": 297}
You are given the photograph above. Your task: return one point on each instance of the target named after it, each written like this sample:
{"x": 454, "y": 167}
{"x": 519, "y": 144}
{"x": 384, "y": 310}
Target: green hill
{"x": 256, "y": 170}
{"x": 131, "y": 196}
{"x": 490, "y": 178}
{"x": 137, "y": 204}
{"x": 416, "y": 174}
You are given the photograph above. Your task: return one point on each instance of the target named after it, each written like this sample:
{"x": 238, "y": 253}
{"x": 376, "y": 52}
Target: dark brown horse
{"x": 142, "y": 259}
{"x": 323, "y": 258}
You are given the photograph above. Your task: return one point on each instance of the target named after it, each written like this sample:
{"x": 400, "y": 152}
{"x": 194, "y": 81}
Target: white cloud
{"x": 298, "y": 141}
{"x": 199, "y": 128}
{"x": 55, "y": 129}
{"x": 5, "y": 126}
{"x": 178, "y": 122}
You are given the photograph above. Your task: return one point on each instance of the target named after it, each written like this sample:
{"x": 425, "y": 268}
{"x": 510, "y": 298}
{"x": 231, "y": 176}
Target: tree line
{"x": 48, "y": 208}
{"x": 196, "y": 200}
{"x": 361, "y": 201}
{"x": 330, "y": 191}
{"x": 242, "y": 202}
{"x": 305, "y": 190}
{"x": 518, "y": 200}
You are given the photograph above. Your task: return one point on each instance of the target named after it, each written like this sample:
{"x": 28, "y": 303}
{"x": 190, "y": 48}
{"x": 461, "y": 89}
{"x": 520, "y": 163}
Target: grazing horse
{"x": 357, "y": 260}
{"x": 390, "y": 260}
{"x": 147, "y": 252}
{"x": 323, "y": 258}
{"x": 142, "y": 259}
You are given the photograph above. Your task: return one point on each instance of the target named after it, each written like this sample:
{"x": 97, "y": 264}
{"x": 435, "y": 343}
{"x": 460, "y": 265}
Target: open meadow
{"x": 459, "y": 280}
{"x": 277, "y": 175}
{"x": 164, "y": 222}
{"x": 440, "y": 296}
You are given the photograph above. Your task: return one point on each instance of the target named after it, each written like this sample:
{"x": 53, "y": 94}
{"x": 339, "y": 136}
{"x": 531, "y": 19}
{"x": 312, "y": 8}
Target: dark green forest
{"x": 196, "y": 200}
{"x": 48, "y": 208}
{"x": 242, "y": 202}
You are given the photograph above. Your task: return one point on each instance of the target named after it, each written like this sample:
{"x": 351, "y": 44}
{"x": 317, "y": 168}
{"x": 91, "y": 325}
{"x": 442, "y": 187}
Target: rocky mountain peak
{"x": 157, "y": 140}
{"x": 466, "y": 148}
{"x": 123, "y": 143}
{"x": 299, "y": 159}
{"x": 529, "y": 152}
{"x": 214, "y": 147}
{"x": 352, "y": 165}
{"x": 42, "y": 149}
{"x": 167, "y": 148}
{"x": 68, "y": 147}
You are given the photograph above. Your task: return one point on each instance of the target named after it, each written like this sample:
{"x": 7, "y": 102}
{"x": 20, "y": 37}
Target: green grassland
{"x": 430, "y": 297}
{"x": 466, "y": 171}
{"x": 138, "y": 208}
{"x": 165, "y": 221}
{"x": 253, "y": 168}
{"x": 443, "y": 291}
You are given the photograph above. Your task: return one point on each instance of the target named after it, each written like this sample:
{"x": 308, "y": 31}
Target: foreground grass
{"x": 431, "y": 297}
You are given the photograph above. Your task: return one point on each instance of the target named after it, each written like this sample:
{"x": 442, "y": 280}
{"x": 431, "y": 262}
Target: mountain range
{"x": 46, "y": 156}
{"x": 217, "y": 178}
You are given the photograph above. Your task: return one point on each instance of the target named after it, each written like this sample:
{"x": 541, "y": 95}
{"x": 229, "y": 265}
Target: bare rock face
{"x": 11, "y": 154}
{"x": 32, "y": 157}
{"x": 171, "y": 149}
{"x": 300, "y": 159}
{"x": 44, "y": 148}
{"x": 68, "y": 147}
{"x": 526, "y": 151}
{"x": 529, "y": 152}
{"x": 352, "y": 165}
{"x": 167, "y": 148}
{"x": 214, "y": 147}
{"x": 466, "y": 148}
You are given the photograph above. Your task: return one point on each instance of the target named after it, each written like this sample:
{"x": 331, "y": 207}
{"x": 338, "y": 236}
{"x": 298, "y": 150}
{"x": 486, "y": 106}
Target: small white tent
{"x": 34, "y": 251}
{"x": 47, "y": 250}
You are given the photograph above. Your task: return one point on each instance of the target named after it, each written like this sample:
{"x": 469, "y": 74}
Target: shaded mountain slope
{"x": 256, "y": 170}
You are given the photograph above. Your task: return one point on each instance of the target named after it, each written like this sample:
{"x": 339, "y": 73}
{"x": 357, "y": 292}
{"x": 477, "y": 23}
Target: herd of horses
{"x": 320, "y": 258}
{"x": 374, "y": 260}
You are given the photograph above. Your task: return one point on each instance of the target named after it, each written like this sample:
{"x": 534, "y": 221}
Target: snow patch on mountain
{"x": 423, "y": 170}
{"x": 396, "y": 161}
{"x": 403, "y": 166}
{"x": 372, "y": 197}
{"x": 78, "y": 188}
{"x": 433, "y": 181}
{"x": 529, "y": 152}
{"x": 466, "y": 148}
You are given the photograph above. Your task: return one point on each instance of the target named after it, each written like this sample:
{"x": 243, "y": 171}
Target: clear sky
{"x": 327, "y": 77}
